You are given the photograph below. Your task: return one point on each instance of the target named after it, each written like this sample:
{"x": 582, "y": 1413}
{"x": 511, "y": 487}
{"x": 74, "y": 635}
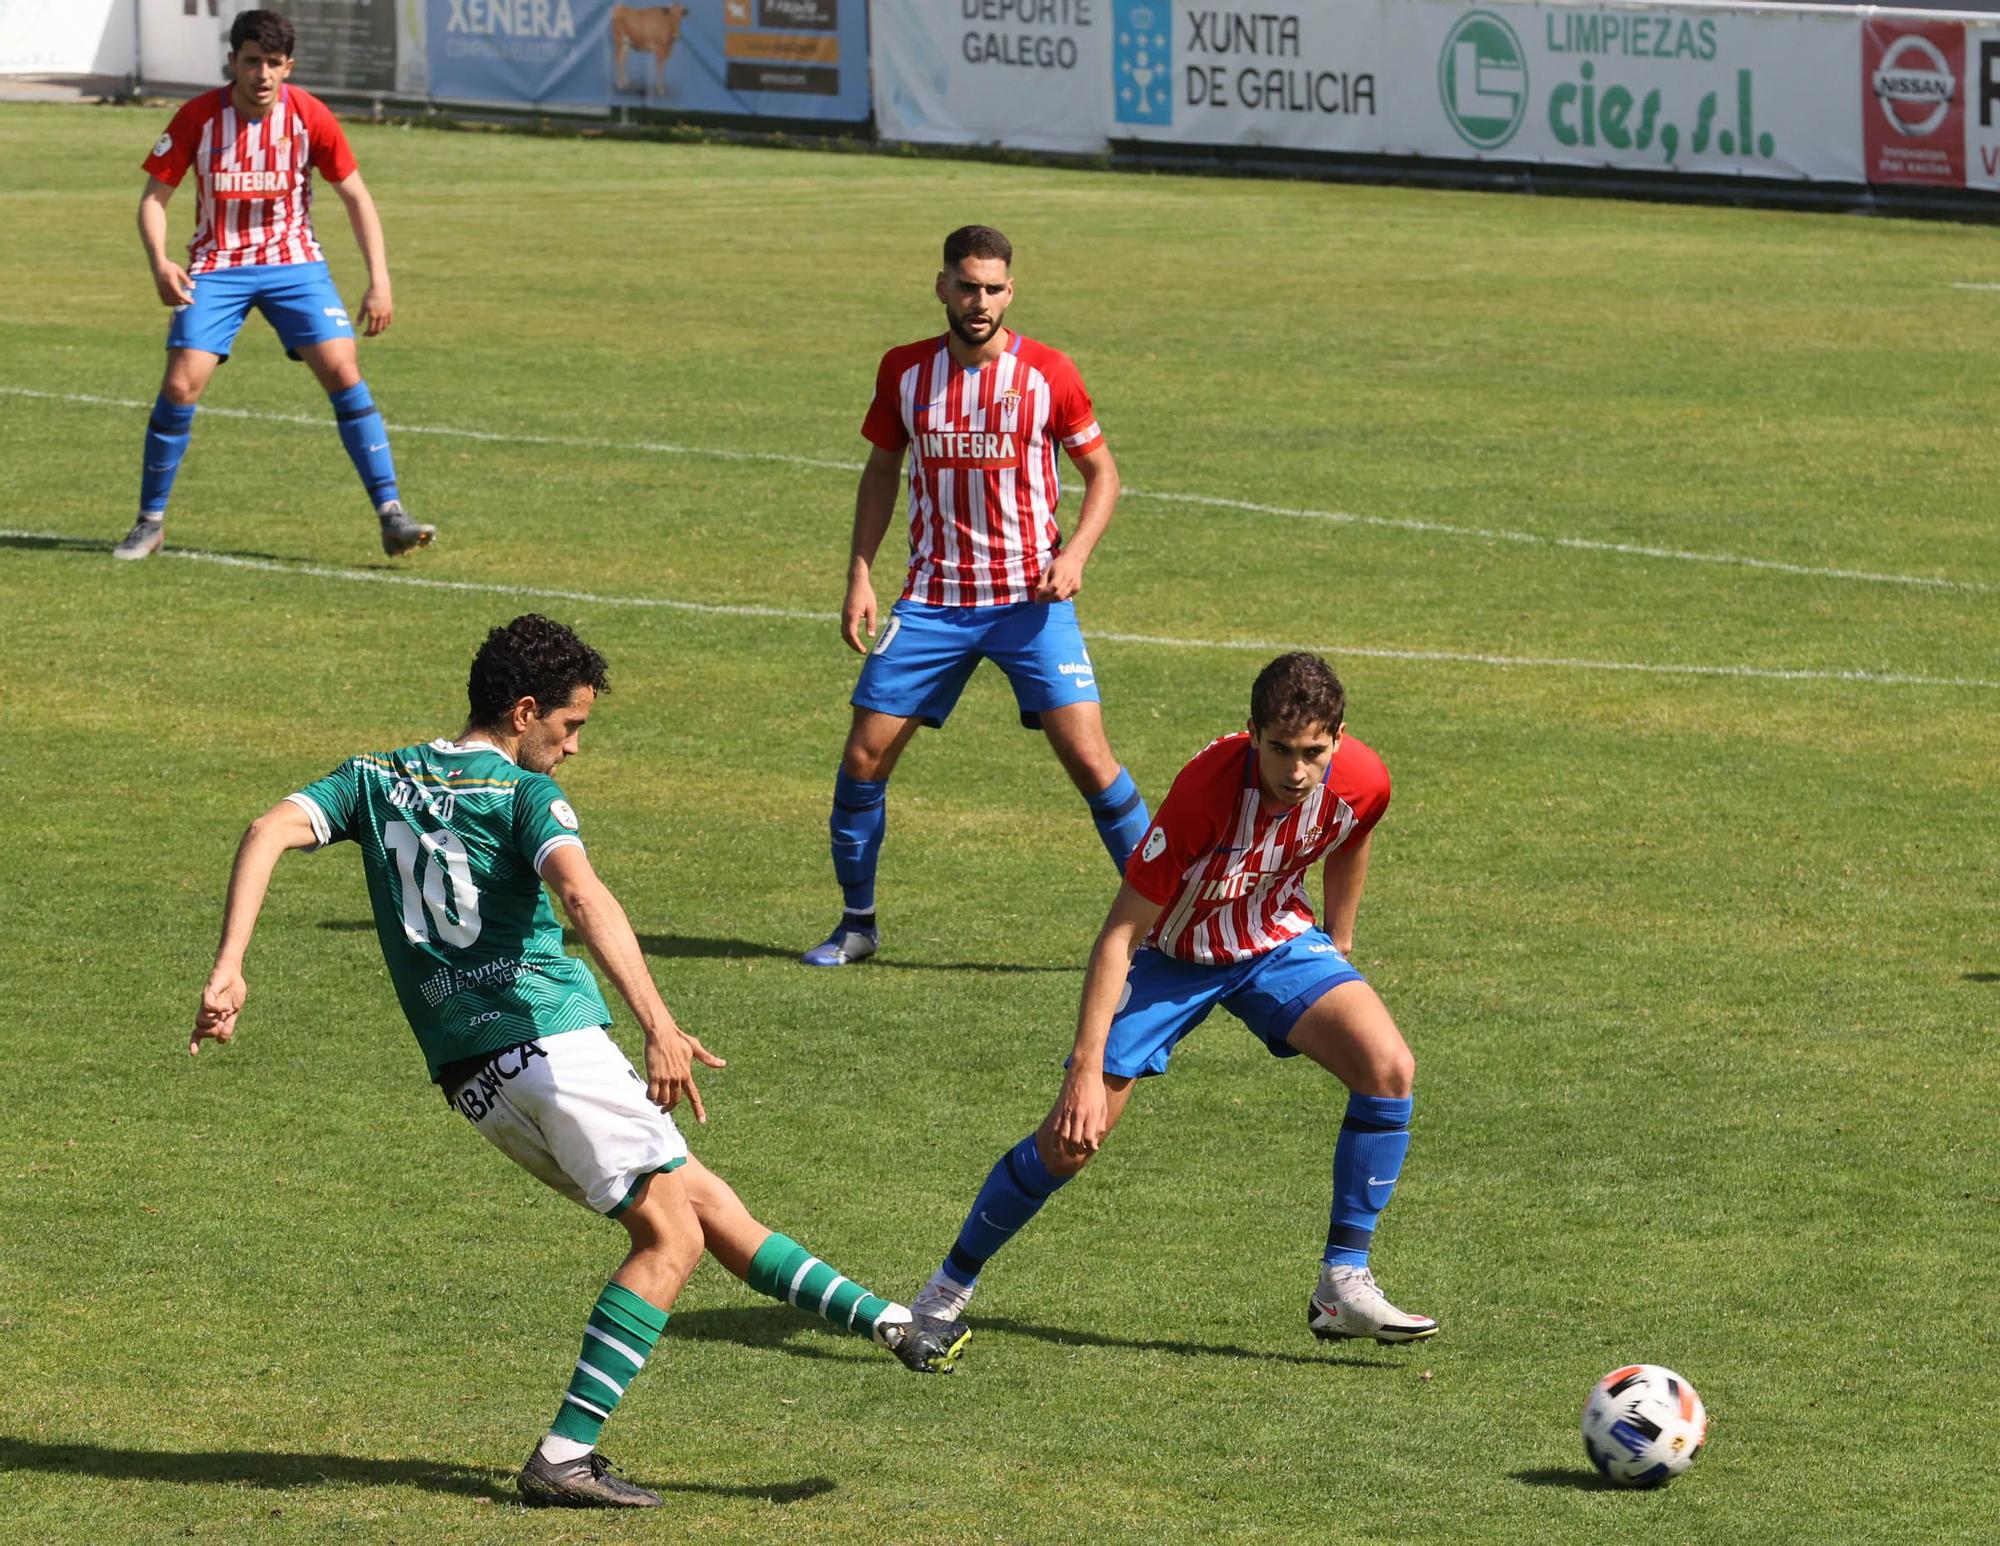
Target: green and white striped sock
{"x": 620, "y": 1333}
{"x": 786, "y": 1270}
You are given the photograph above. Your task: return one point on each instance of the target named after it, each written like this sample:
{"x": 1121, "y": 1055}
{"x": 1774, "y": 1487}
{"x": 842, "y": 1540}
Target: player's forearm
{"x": 367, "y": 230}
{"x": 1346, "y": 874}
{"x": 249, "y": 881}
{"x": 874, "y": 507}
{"x": 153, "y": 230}
{"x": 1100, "y": 498}
{"x": 606, "y": 932}
{"x": 1103, "y": 980}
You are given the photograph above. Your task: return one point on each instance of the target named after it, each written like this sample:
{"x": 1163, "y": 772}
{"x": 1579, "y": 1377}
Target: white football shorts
{"x": 572, "y": 1111}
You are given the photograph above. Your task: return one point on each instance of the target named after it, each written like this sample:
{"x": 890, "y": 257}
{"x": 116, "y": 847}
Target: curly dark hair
{"x": 976, "y": 241}
{"x": 1297, "y": 689}
{"x": 531, "y": 657}
{"x": 267, "y": 29}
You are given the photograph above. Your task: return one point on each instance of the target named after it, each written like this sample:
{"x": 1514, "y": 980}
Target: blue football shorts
{"x": 926, "y": 654}
{"x": 1165, "y": 998}
{"x": 297, "y": 299}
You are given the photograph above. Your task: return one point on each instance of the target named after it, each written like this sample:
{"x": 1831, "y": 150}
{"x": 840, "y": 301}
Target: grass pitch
{"x": 1655, "y": 546}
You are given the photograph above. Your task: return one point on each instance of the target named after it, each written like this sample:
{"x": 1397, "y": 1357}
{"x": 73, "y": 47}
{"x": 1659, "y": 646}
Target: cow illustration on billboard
{"x": 651, "y": 29}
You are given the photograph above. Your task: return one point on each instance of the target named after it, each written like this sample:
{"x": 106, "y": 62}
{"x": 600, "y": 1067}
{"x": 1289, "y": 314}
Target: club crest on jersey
{"x": 163, "y": 144}
{"x": 1156, "y": 844}
{"x": 565, "y": 817}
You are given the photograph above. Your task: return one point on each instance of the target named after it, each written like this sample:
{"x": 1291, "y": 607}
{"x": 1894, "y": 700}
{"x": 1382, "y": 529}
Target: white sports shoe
{"x": 1348, "y": 1304}
{"x": 942, "y": 1298}
{"x": 143, "y": 540}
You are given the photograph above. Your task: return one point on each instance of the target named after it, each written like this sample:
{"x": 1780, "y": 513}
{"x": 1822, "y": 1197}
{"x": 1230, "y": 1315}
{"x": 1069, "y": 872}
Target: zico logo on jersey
{"x": 252, "y": 185}
{"x": 973, "y": 448}
{"x": 1483, "y": 80}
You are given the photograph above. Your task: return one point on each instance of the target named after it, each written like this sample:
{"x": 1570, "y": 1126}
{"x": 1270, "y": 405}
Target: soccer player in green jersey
{"x": 458, "y": 838}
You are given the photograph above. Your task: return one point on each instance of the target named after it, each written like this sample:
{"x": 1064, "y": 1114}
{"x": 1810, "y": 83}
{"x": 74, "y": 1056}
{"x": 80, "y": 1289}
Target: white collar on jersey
{"x": 446, "y": 744}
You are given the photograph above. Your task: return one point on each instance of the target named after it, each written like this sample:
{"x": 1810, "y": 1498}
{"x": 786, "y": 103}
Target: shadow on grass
{"x": 1981, "y": 977}
{"x": 1372, "y": 1357}
{"x": 54, "y": 544}
{"x": 33, "y": 542}
{"x": 774, "y": 1328}
{"x": 286, "y": 1471}
{"x": 692, "y": 947}
{"x": 1575, "y": 1477}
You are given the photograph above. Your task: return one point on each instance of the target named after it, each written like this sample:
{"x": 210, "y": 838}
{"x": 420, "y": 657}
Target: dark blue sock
{"x": 859, "y": 815}
{"x": 167, "y": 435}
{"x": 1367, "y": 1158}
{"x": 1120, "y": 813}
{"x": 367, "y": 440}
{"x": 1014, "y": 1192}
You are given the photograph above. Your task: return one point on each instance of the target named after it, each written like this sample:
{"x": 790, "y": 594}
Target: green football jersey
{"x": 453, "y": 836}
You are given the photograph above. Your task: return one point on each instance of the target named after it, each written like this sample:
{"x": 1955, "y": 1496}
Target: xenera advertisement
{"x": 1646, "y": 88}
{"x": 750, "y": 58}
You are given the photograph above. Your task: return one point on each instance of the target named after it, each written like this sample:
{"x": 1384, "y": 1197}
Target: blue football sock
{"x": 859, "y": 815}
{"x": 1121, "y": 816}
{"x": 367, "y": 440}
{"x": 1014, "y": 1192}
{"x": 167, "y": 435}
{"x": 1367, "y": 1158}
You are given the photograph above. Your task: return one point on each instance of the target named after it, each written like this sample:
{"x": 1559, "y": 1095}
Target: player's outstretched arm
{"x": 284, "y": 826}
{"x": 1081, "y": 1117}
{"x": 378, "y": 306}
{"x": 1064, "y": 578}
{"x": 596, "y": 915}
{"x": 169, "y": 278}
{"x": 1346, "y": 872}
{"x": 874, "y": 504}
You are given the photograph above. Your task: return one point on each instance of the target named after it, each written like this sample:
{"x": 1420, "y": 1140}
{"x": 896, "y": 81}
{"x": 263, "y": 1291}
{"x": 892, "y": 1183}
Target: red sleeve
{"x": 1072, "y": 417}
{"x": 1187, "y": 824}
{"x": 173, "y": 152}
{"x": 884, "y": 427}
{"x": 331, "y": 157}
{"x": 1363, "y": 782}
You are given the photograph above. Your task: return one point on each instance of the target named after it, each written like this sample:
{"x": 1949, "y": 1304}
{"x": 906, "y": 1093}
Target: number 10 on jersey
{"x": 436, "y": 855}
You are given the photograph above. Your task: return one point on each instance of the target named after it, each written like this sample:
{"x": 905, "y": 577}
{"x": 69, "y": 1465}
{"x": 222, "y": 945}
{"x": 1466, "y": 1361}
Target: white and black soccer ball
{"x": 1643, "y": 1425}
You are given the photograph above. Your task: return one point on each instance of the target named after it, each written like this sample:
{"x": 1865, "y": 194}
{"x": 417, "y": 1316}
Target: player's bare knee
{"x": 1390, "y": 1072}
{"x": 663, "y": 1224}
{"x": 859, "y": 760}
{"x": 1056, "y": 1159}
{"x": 181, "y": 387}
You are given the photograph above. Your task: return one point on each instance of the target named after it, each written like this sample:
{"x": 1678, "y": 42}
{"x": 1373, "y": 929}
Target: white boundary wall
{"x": 68, "y": 37}
{"x": 1793, "y": 93}
{"x": 1776, "y": 92}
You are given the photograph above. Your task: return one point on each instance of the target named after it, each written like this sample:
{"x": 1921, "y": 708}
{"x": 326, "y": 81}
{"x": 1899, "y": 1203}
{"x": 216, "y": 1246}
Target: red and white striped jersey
{"x": 253, "y": 176}
{"x": 1231, "y": 879}
{"x": 983, "y": 480}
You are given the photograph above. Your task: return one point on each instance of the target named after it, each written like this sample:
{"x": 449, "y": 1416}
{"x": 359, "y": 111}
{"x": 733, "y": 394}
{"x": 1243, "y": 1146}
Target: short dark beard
{"x": 953, "y": 321}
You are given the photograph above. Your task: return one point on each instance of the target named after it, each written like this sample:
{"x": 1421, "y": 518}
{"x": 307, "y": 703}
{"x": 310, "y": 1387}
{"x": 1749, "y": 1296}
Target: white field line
{"x": 1206, "y": 501}
{"x": 1157, "y": 641}
{"x": 1961, "y": 284}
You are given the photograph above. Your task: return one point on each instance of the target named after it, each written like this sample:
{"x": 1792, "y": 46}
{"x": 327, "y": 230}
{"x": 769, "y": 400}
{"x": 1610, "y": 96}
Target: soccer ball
{"x": 1643, "y": 1425}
